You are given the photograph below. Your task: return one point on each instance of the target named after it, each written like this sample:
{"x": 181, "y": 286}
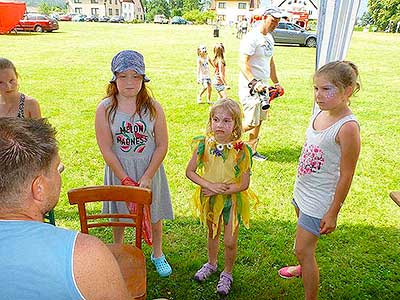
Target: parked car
{"x": 104, "y": 19}
{"x": 290, "y": 33}
{"x": 79, "y": 18}
{"x": 37, "y": 22}
{"x": 93, "y": 18}
{"x": 160, "y": 19}
{"x": 55, "y": 16}
{"x": 178, "y": 20}
{"x": 65, "y": 17}
{"x": 117, "y": 19}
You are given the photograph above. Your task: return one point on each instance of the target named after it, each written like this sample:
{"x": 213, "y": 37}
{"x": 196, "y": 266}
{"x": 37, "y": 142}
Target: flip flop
{"x": 295, "y": 272}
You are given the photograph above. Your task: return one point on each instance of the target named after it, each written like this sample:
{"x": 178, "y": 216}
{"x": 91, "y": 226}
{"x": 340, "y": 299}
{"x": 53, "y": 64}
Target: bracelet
{"x": 277, "y": 84}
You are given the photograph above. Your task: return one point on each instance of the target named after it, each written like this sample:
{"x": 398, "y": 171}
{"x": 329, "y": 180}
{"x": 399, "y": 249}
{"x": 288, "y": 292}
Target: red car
{"x": 37, "y": 22}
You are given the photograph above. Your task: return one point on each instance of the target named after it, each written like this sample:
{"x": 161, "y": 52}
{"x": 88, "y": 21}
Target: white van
{"x": 160, "y": 19}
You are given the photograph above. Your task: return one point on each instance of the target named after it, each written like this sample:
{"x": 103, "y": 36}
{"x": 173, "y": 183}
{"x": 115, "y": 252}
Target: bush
{"x": 198, "y": 17}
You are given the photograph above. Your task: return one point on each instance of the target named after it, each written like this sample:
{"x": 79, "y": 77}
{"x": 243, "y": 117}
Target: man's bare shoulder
{"x": 94, "y": 263}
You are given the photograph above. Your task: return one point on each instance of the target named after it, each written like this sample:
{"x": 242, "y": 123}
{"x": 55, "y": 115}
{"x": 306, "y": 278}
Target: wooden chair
{"x": 130, "y": 258}
{"x": 395, "y": 197}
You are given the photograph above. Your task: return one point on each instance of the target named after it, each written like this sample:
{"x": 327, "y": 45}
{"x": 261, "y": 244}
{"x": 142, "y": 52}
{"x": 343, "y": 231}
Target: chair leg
{"x": 395, "y": 197}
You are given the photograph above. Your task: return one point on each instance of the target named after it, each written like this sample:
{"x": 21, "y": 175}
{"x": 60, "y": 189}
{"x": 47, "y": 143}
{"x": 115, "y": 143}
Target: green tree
{"x": 45, "y": 8}
{"x": 366, "y": 19}
{"x": 383, "y": 12}
{"x": 199, "y": 17}
{"x": 156, "y": 7}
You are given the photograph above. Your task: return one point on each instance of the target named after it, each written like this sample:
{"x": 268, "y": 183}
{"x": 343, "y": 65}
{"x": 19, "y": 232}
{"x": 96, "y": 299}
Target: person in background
{"x": 131, "y": 132}
{"x": 326, "y": 167}
{"x": 220, "y": 166}
{"x": 257, "y": 67}
{"x": 12, "y": 102}
{"x": 220, "y": 84}
{"x": 203, "y": 73}
{"x": 38, "y": 260}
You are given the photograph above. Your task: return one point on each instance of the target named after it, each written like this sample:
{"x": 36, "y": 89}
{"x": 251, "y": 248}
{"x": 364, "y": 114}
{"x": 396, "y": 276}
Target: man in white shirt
{"x": 257, "y": 68}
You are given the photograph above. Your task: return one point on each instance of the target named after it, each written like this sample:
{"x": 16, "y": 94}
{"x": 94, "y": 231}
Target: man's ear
{"x": 38, "y": 188}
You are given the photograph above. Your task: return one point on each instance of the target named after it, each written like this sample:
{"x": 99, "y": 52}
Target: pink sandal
{"x": 295, "y": 272}
{"x": 224, "y": 283}
{"x": 205, "y": 271}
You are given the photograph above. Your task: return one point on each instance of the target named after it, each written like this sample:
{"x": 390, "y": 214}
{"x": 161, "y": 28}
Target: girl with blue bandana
{"x": 131, "y": 132}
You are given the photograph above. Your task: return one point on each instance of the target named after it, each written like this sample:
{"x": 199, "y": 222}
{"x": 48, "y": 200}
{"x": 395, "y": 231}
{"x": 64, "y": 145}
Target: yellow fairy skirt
{"x": 211, "y": 208}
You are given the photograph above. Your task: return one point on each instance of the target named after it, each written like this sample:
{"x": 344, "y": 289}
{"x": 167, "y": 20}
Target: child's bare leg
{"x": 118, "y": 234}
{"x": 223, "y": 94}
{"x": 213, "y": 243}
{"x": 156, "y": 231}
{"x": 202, "y": 90}
{"x": 230, "y": 243}
{"x": 306, "y": 243}
{"x": 209, "y": 92}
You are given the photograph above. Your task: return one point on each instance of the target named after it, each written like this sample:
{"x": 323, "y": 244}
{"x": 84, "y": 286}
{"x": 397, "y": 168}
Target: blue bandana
{"x": 128, "y": 60}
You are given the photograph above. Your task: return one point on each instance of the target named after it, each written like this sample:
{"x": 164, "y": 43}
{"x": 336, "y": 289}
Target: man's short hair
{"x": 27, "y": 148}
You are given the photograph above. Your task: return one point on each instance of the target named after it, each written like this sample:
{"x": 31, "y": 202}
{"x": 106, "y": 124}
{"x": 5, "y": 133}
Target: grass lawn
{"x": 67, "y": 71}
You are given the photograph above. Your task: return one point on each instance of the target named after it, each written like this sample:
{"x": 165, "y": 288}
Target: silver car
{"x": 290, "y": 33}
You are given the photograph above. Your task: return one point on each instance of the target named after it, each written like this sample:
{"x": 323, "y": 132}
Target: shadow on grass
{"x": 30, "y": 33}
{"x": 283, "y": 154}
{"x": 356, "y": 262}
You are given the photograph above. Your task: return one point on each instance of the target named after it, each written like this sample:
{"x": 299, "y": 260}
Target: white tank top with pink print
{"x": 318, "y": 169}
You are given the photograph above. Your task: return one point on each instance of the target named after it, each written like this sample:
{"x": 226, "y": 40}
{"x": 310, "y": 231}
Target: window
{"x": 110, "y": 11}
{"x": 116, "y": 2}
{"x": 241, "y": 5}
{"x": 94, "y": 1}
{"x": 282, "y": 26}
{"x": 77, "y": 1}
{"x": 78, "y": 10}
{"x": 290, "y": 27}
{"x": 221, "y": 17}
{"x": 221, "y": 4}
{"x": 117, "y": 11}
{"x": 94, "y": 11}
{"x": 110, "y": 1}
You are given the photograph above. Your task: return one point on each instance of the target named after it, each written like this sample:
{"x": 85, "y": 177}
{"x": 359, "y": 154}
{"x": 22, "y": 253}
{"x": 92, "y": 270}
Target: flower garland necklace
{"x": 218, "y": 149}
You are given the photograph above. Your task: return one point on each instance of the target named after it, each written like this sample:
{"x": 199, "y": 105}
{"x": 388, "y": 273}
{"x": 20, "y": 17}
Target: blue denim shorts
{"x": 205, "y": 82}
{"x": 219, "y": 87}
{"x": 308, "y": 223}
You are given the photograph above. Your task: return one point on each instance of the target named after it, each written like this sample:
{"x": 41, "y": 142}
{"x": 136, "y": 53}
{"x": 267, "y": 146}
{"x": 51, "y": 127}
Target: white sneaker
{"x": 259, "y": 157}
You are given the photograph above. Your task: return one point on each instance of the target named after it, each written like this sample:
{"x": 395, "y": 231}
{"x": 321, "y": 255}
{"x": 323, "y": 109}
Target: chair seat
{"x": 132, "y": 263}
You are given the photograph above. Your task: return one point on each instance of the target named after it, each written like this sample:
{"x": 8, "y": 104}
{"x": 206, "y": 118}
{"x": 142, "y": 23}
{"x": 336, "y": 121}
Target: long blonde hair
{"x": 219, "y": 51}
{"x": 233, "y": 108}
{"x": 144, "y": 101}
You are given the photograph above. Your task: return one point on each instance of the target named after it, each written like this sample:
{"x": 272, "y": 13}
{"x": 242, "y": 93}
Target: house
{"x": 233, "y": 11}
{"x": 130, "y": 9}
{"x": 310, "y": 7}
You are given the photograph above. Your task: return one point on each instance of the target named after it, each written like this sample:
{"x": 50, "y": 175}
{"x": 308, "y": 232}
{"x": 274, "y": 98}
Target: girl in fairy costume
{"x": 220, "y": 166}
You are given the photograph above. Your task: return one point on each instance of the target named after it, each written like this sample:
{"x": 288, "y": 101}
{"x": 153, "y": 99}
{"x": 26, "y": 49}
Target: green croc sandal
{"x": 162, "y": 266}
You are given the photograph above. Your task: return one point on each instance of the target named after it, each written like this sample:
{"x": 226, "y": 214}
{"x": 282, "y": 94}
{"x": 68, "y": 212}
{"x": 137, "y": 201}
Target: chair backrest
{"x": 83, "y": 195}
